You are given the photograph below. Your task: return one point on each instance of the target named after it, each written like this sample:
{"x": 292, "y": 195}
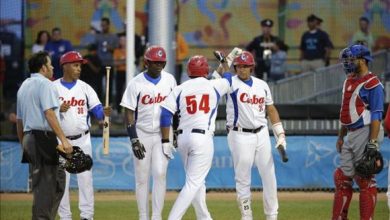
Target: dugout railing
{"x": 324, "y": 85}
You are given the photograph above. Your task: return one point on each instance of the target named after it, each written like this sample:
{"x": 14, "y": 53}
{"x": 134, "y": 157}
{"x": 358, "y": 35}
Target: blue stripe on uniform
{"x": 216, "y": 107}
{"x": 136, "y": 108}
{"x": 233, "y": 95}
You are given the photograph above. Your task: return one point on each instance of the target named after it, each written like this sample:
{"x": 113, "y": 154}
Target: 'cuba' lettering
{"x": 73, "y": 101}
{"x": 146, "y": 99}
{"x": 251, "y": 100}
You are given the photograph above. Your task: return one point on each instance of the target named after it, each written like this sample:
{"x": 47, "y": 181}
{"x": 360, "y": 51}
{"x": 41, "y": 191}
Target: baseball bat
{"x": 282, "y": 153}
{"x": 106, "y": 124}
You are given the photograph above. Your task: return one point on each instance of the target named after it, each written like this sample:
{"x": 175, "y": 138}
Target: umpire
{"x": 38, "y": 129}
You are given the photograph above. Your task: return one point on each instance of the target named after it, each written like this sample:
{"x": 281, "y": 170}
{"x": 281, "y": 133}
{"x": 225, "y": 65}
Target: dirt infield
{"x": 130, "y": 196}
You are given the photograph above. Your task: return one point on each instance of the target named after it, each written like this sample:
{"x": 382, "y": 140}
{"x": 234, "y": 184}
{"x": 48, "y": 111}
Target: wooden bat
{"x": 106, "y": 124}
{"x": 282, "y": 153}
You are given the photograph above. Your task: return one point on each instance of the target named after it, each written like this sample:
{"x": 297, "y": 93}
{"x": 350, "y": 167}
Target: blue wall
{"x": 311, "y": 165}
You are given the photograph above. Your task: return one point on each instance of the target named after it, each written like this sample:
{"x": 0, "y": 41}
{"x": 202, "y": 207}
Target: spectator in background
{"x": 106, "y": 43}
{"x": 315, "y": 46}
{"x": 140, "y": 46}
{"x": 91, "y": 71}
{"x": 56, "y": 48}
{"x": 42, "y": 38}
{"x": 261, "y": 47}
{"x": 120, "y": 68}
{"x": 363, "y": 36}
{"x": 181, "y": 54}
{"x": 278, "y": 61}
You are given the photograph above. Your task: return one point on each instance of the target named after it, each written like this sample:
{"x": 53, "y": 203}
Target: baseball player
{"x": 387, "y": 128}
{"x": 248, "y": 101}
{"x": 360, "y": 117}
{"x": 78, "y": 101}
{"x": 142, "y": 99}
{"x": 196, "y": 100}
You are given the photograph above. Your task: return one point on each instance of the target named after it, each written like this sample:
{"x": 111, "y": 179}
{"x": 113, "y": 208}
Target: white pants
{"x": 196, "y": 151}
{"x": 155, "y": 163}
{"x": 248, "y": 149}
{"x": 85, "y": 184}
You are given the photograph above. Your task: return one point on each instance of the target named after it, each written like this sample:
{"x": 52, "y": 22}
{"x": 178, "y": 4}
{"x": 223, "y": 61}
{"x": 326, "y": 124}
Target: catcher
{"x": 360, "y": 116}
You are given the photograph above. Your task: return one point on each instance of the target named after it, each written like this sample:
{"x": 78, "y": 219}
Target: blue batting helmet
{"x": 361, "y": 51}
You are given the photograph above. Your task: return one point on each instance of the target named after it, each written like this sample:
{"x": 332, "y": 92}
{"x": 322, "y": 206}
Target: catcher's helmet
{"x": 246, "y": 58}
{"x": 197, "y": 66}
{"x": 361, "y": 51}
{"x": 346, "y": 59}
{"x": 72, "y": 57}
{"x": 155, "y": 54}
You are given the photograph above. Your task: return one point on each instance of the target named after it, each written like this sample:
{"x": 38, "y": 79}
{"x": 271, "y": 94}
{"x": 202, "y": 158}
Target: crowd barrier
{"x": 312, "y": 160}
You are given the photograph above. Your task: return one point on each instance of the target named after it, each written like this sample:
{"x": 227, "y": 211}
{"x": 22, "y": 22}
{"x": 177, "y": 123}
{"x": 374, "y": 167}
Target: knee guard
{"x": 245, "y": 208}
{"x": 367, "y": 198}
{"x": 342, "y": 196}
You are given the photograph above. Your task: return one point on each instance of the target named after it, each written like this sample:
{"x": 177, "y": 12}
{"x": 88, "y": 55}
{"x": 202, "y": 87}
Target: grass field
{"x": 222, "y": 206}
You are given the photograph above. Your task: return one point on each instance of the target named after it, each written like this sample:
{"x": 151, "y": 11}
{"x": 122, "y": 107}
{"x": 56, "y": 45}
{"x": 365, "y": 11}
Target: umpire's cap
{"x": 267, "y": 23}
{"x": 313, "y": 17}
{"x": 72, "y": 57}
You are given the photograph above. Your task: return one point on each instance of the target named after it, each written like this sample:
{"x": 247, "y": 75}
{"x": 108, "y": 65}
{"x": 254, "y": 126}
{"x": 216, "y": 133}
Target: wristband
{"x": 164, "y": 140}
{"x": 131, "y": 131}
{"x": 278, "y": 128}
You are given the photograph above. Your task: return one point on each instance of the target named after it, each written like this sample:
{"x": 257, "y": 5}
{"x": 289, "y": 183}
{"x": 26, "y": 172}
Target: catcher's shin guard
{"x": 342, "y": 195}
{"x": 367, "y": 198}
{"x": 245, "y": 208}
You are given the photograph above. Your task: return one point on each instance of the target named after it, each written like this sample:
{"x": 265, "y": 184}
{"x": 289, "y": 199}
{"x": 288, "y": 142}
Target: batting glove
{"x": 281, "y": 141}
{"x": 138, "y": 148}
{"x": 168, "y": 150}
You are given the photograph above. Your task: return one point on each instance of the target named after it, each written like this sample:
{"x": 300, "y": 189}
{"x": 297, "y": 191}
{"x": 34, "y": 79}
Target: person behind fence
{"x": 91, "y": 71}
{"x": 38, "y": 129}
{"x": 363, "y": 35}
{"x": 278, "y": 61}
{"x": 315, "y": 46}
{"x": 120, "y": 69}
{"x": 360, "y": 117}
{"x": 106, "y": 42}
{"x": 261, "y": 47}
{"x": 42, "y": 38}
{"x": 57, "y": 46}
{"x": 181, "y": 54}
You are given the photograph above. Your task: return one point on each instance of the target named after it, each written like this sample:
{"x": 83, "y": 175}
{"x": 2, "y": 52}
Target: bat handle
{"x": 282, "y": 153}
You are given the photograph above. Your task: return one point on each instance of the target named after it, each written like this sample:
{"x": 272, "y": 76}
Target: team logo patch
{"x": 160, "y": 53}
{"x": 244, "y": 57}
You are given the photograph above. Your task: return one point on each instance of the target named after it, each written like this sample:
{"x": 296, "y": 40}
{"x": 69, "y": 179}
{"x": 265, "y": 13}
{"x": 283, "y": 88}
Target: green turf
{"x": 220, "y": 210}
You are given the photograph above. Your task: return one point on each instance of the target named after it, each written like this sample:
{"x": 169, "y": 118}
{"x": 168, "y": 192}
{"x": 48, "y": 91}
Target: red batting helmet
{"x": 197, "y": 66}
{"x": 246, "y": 58}
{"x": 72, "y": 57}
{"x": 155, "y": 54}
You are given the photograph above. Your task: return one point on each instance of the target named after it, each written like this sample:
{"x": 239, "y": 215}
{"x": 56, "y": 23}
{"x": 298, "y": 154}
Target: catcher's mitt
{"x": 75, "y": 162}
{"x": 371, "y": 163}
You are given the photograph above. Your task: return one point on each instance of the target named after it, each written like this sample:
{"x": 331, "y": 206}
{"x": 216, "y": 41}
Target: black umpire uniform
{"x": 261, "y": 47}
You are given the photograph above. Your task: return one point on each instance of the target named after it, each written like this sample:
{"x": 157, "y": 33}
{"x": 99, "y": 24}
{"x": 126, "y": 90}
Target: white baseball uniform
{"x": 196, "y": 100}
{"x": 249, "y": 142}
{"x": 76, "y": 123}
{"x": 144, "y": 95}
